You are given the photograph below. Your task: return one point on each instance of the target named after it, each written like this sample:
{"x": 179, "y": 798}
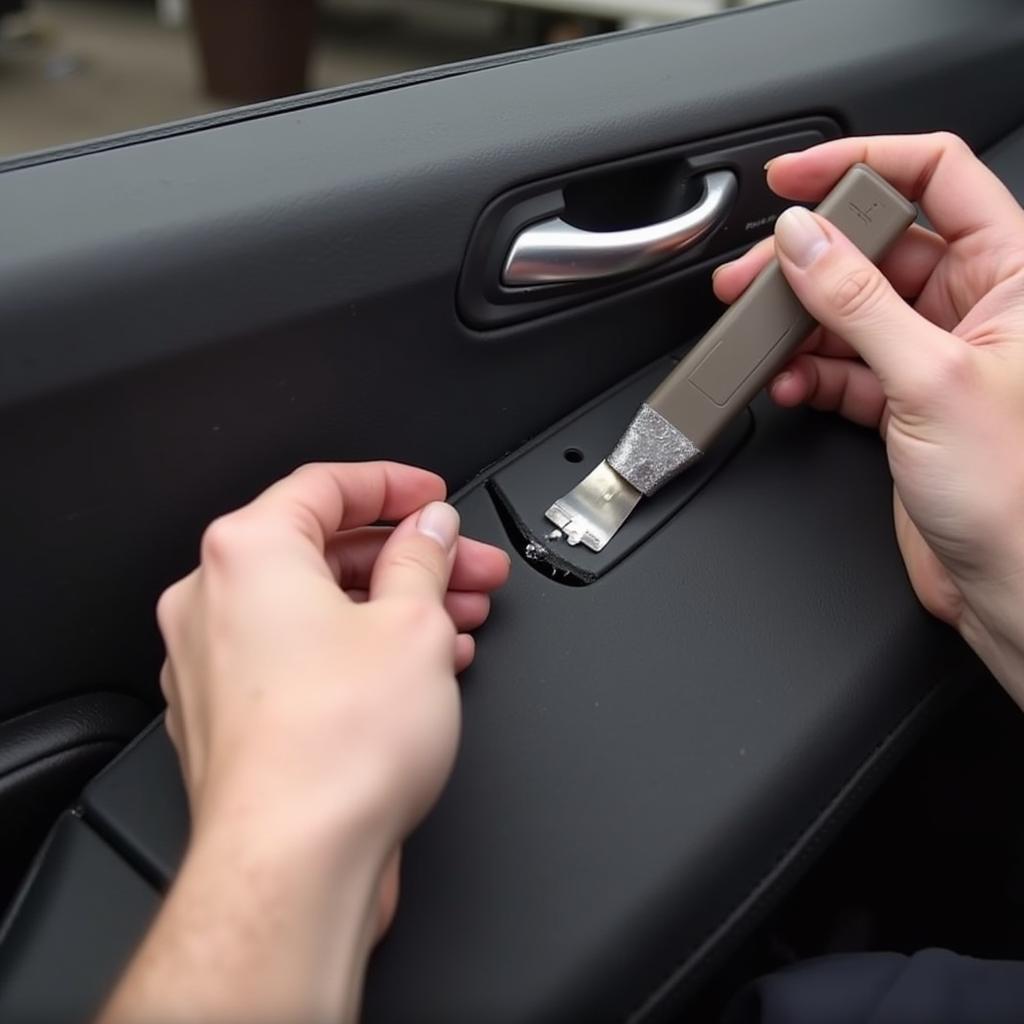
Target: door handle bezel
{"x": 484, "y": 302}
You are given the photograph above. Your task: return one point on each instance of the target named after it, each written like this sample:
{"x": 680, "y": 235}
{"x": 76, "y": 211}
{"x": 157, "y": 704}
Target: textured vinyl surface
{"x": 188, "y": 317}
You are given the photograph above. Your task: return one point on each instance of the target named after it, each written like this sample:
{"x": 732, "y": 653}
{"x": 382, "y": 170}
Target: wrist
{"x": 260, "y": 925}
{"x": 294, "y": 912}
{"x": 330, "y": 849}
{"x": 334, "y": 820}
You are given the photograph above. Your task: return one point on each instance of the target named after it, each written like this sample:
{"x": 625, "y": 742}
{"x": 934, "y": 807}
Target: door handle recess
{"x": 554, "y": 252}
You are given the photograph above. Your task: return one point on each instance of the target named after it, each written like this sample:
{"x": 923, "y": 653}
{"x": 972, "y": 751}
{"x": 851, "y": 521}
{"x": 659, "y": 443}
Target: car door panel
{"x": 649, "y": 759}
{"x": 623, "y": 810}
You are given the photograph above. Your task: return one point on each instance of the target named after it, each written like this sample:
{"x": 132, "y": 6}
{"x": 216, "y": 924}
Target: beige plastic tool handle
{"x": 722, "y": 373}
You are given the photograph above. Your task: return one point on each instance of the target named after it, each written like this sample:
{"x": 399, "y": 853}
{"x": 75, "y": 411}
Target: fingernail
{"x": 718, "y": 270}
{"x": 441, "y": 522}
{"x": 781, "y": 379}
{"x": 773, "y": 159}
{"x": 799, "y": 236}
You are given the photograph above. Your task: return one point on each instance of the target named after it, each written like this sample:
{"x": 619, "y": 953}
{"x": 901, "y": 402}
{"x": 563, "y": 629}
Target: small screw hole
{"x": 573, "y": 455}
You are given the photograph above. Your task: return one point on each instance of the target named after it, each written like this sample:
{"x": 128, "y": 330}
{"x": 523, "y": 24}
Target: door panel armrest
{"x": 78, "y": 919}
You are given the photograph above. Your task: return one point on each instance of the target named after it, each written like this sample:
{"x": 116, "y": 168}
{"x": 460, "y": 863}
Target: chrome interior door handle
{"x": 554, "y": 252}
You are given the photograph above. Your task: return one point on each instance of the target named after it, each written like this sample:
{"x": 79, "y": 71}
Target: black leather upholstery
{"x": 46, "y": 757}
{"x": 57, "y": 730}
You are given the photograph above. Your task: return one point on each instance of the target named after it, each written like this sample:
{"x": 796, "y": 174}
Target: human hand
{"x": 929, "y": 349}
{"x": 310, "y": 681}
{"x": 302, "y": 623}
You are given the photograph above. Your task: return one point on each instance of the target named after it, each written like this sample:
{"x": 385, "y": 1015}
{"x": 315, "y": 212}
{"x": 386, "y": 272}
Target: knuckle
{"x": 951, "y": 142}
{"x": 310, "y": 471}
{"x": 225, "y": 537}
{"x": 167, "y": 608}
{"x": 315, "y": 478}
{"x": 422, "y": 618}
{"x": 167, "y": 687}
{"x": 859, "y": 293}
{"x": 218, "y": 539}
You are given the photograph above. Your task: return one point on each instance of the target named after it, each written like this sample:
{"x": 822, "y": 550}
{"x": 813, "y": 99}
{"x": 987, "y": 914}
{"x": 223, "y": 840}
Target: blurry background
{"x": 77, "y": 69}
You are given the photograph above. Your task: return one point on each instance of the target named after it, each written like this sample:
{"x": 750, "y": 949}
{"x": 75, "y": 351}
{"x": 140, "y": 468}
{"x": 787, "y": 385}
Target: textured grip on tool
{"x": 651, "y": 451}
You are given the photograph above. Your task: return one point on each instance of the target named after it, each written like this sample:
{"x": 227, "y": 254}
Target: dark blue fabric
{"x": 930, "y": 987}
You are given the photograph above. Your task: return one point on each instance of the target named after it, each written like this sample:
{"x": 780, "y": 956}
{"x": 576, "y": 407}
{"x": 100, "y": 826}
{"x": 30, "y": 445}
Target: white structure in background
{"x": 630, "y": 13}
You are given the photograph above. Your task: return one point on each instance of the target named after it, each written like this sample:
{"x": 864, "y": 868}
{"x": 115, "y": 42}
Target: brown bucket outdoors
{"x": 254, "y": 49}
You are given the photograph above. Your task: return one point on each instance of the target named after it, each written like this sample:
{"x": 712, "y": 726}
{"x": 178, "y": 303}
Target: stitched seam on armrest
{"x": 136, "y": 741}
{"x": 51, "y": 755}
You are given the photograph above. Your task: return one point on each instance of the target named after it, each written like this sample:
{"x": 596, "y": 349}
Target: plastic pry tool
{"x": 720, "y": 375}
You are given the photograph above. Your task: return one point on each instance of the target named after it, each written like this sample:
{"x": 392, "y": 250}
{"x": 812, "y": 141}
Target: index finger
{"x": 322, "y": 498}
{"x": 957, "y": 192}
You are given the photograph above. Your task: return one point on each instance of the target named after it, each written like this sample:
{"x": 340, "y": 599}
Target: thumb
{"x": 417, "y": 559}
{"x": 846, "y": 293}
